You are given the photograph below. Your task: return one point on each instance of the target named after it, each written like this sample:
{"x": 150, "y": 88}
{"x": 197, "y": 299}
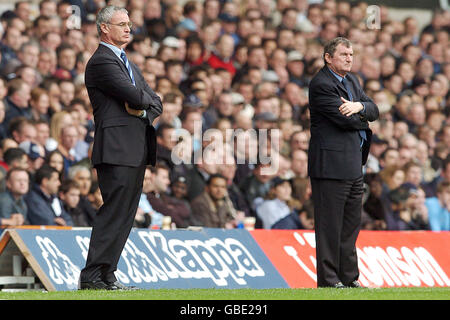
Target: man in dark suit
{"x": 125, "y": 142}
{"x": 339, "y": 146}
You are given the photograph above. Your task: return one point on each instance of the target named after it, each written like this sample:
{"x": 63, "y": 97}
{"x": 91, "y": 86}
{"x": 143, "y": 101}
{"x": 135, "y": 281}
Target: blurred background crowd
{"x": 227, "y": 65}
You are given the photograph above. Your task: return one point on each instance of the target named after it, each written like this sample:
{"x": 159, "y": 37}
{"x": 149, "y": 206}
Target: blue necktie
{"x": 127, "y": 64}
{"x": 362, "y": 133}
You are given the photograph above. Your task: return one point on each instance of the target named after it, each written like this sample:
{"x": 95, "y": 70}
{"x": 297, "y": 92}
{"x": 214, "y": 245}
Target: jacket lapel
{"x": 108, "y": 51}
{"x": 135, "y": 72}
{"x": 352, "y": 86}
{"x": 339, "y": 84}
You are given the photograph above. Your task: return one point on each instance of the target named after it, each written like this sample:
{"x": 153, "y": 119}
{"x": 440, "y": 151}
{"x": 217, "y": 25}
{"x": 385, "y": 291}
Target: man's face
{"x": 391, "y": 158}
{"x": 296, "y": 68}
{"x": 217, "y": 188}
{"x": 30, "y": 56}
{"x": 48, "y": 9}
{"x": 75, "y": 39}
{"x": 300, "y": 141}
{"x": 226, "y": 47}
{"x": 13, "y": 38}
{"x": 41, "y": 104}
{"x": 257, "y": 58}
{"x": 299, "y": 162}
{"x": 193, "y": 119}
{"x": 342, "y": 60}
{"x": 169, "y": 112}
{"x": 225, "y": 105}
{"x": 117, "y": 30}
{"x": 23, "y": 11}
{"x": 22, "y": 96}
{"x": 175, "y": 73}
{"x": 83, "y": 178}
{"x": 414, "y": 175}
{"x": 67, "y": 92}
{"x": 28, "y": 133}
{"x": 162, "y": 180}
{"x": 69, "y": 137}
{"x": 21, "y": 163}
{"x": 67, "y": 59}
{"x": 53, "y": 184}
{"x": 42, "y": 133}
{"x": 283, "y": 191}
{"x": 166, "y": 139}
{"x": 72, "y": 197}
{"x": 18, "y": 183}
{"x": 194, "y": 52}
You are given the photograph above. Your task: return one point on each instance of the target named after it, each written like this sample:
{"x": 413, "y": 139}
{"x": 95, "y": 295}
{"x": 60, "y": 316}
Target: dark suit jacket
{"x": 40, "y": 211}
{"x": 120, "y": 139}
{"x": 334, "y": 149}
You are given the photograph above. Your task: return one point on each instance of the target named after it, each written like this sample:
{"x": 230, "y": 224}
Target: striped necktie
{"x": 127, "y": 64}
{"x": 362, "y": 133}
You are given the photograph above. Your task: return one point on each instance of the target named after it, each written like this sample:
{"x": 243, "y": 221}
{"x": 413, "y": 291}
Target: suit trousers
{"x": 121, "y": 187}
{"x": 337, "y": 215}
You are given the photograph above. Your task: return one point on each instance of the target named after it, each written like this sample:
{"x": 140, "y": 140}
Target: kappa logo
{"x": 172, "y": 259}
{"x": 61, "y": 270}
{"x": 159, "y": 259}
{"x": 220, "y": 261}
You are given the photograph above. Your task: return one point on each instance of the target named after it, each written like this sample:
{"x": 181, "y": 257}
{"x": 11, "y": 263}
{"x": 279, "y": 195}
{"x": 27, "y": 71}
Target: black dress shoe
{"x": 119, "y": 286}
{"x": 94, "y": 285}
{"x": 339, "y": 285}
{"x": 355, "y": 284}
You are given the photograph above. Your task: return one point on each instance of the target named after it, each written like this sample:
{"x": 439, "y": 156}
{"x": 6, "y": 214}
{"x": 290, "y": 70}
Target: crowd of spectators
{"x": 226, "y": 65}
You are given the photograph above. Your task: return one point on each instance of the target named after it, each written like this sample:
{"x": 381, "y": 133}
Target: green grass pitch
{"x": 239, "y": 294}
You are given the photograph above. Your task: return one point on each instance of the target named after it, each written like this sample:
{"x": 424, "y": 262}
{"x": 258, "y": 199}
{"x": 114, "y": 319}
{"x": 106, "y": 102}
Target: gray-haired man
{"x": 124, "y": 143}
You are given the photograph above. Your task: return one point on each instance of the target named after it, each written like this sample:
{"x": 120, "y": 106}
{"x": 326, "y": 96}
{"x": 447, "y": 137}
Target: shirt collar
{"x": 114, "y": 49}
{"x": 336, "y": 75}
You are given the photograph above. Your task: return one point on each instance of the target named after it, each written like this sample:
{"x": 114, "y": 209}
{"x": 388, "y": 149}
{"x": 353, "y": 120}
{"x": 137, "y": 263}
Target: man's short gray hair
{"x": 31, "y": 43}
{"x": 105, "y": 15}
{"x": 73, "y": 170}
{"x": 330, "y": 46}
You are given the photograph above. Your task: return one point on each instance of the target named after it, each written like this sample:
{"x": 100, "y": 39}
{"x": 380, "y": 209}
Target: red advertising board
{"x": 385, "y": 258}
